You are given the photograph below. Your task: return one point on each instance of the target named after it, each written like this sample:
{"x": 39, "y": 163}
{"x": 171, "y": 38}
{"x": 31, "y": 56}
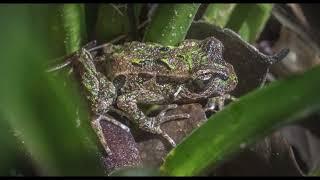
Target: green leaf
{"x": 243, "y": 122}
{"x": 67, "y": 28}
{"x": 39, "y": 107}
{"x": 248, "y": 20}
{"x": 170, "y": 23}
{"x": 8, "y": 152}
{"x": 218, "y": 14}
{"x": 73, "y": 20}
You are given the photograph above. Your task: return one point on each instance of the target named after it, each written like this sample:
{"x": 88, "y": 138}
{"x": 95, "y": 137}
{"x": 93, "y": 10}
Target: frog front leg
{"x": 217, "y": 103}
{"x": 100, "y": 92}
{"x": 101, "y": 104}
{"x": 129, "y": 103}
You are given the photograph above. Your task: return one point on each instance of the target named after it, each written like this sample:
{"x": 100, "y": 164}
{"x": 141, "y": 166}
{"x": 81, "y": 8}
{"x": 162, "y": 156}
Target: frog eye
{"x": 204, "y": 75}
{"x": 207, "y": 74}
{"x": 164, "y": 48}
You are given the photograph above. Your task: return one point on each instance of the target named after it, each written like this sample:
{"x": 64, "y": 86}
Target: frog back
{"x": 141, "y": 58}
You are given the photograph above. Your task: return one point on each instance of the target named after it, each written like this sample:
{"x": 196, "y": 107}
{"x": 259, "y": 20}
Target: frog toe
{"x": 168, "y": 107}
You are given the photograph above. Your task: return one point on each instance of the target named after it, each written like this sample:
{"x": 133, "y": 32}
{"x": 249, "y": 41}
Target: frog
{"x": 150, "y": 73}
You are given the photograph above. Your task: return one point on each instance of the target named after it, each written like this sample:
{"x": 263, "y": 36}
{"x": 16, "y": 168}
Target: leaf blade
{"x": 170, "y": 23}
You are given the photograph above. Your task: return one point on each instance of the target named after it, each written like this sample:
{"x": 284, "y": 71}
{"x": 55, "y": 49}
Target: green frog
{"x": 150, "y": 73}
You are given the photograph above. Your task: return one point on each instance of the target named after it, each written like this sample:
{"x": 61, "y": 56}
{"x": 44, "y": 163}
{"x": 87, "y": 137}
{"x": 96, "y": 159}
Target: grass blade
{"x": 170, "y": 23}
{"x": 73, "y": 21}
{"x": 243, "y": 122}
{"x": 218, "y": 14}
{"x": 248, "y": 20}
{"x": 67, "y": 28}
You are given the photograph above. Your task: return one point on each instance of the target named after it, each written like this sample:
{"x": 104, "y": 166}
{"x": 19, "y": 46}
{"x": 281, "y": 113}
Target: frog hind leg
{"x": 217, "y": 103}
{"x": 129, "y": 103}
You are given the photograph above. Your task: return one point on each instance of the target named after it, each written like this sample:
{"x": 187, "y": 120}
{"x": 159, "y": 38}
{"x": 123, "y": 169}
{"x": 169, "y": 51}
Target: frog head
{"x": 212, "y": 75}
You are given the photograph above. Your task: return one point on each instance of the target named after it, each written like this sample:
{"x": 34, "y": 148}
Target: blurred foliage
{"x": 248, "y": 20}
{"x": 8, "y": 148}
{"x": 67, "y": 28}
{"x": 315, "y": 173}
{"x": 38, "y": 107}
{"x": 218, "y": 14}
{"x": 44, "y": 116}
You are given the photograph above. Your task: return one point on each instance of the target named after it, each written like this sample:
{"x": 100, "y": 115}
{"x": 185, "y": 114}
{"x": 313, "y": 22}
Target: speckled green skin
{"x": 162, "y": 70}
{"x": 148, "y": 73}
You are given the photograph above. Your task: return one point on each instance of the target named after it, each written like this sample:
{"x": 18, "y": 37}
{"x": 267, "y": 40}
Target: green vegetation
{"x": 47, "y": 121}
